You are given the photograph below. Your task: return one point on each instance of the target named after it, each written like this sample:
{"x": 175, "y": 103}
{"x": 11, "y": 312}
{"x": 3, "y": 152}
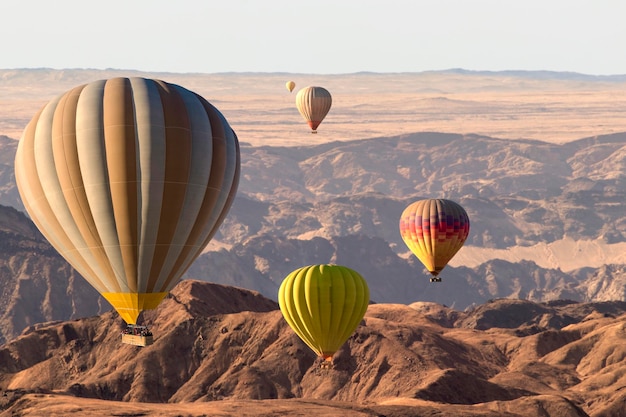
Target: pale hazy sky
{"x": 321, "y": 36}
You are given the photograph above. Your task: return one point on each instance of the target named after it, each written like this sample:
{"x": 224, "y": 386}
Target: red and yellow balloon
{"x": 434, "y": 230}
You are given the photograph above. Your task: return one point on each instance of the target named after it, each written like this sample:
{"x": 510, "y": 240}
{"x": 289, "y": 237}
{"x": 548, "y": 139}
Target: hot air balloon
{"x": 434, "y": 230}
{"x": 323, "y": 304}
{"x": 129, "y": 179}
{"x": 313, "y": 103}
{"x": 290, "y": 85}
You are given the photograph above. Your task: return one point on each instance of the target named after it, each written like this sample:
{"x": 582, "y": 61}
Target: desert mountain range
{"x": 218, "y": 345}
{"x": 527, "y": 321}
{"x": 546, "y": 219}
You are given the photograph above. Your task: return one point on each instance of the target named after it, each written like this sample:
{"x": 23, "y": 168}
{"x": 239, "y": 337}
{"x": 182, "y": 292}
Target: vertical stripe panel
{"x": 184, "y": 246}
{"x": 353, "y": 308}
{"x": 342, "y": 303}
{"x": 211, "y": 206}
{"x": 290, "y": 306}
{"x": 423, "y": 211}
{"x": 306, "y": 302}
{"x": 35, "y": 202}
{"x": 150, "y": 124}
{"x": 226, "y": 184}
{"x": 121, "y": 157}
{"x": 59, "y": 215}
{"x": 92, "y": 157}
{"x": 223, "y": 182}
{"x": 302, "y": 103}
{"x": 46, "y": 171}
{"x": 64, "y": 148}
{"x": 176, "y": 174}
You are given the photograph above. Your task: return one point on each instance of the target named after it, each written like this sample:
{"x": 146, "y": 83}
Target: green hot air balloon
{"x": 324, "y": 304}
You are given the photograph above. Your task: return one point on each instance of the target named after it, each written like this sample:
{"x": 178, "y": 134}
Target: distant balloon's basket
{"x": 137, "y": 335}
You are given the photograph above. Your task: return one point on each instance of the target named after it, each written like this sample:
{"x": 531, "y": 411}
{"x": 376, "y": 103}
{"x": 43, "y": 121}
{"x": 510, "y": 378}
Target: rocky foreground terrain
{"x": 222, "y": 350}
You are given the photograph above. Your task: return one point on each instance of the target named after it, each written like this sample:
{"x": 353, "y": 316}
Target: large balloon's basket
{"x": 137, "y": 335}
{"x": 435, "y": 279}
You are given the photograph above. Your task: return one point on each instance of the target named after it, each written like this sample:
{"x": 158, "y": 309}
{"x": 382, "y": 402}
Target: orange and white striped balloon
{"x": 313, "y": 103}
{"x": 129, "y": 179}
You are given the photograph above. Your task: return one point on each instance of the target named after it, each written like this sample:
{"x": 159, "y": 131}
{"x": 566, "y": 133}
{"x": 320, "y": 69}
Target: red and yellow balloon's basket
{"x": 325, "y": 360}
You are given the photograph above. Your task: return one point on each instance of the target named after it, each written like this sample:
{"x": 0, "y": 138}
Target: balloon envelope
{"x": 434, "y": 230}
{"x": 129, "y": 179}
{"x": 290, "y": 85}
{"x": 313, "y": 103}
{"x": 323, "y": 304}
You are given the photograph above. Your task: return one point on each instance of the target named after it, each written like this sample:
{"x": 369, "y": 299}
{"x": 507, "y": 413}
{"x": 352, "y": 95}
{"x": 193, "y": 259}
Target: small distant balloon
{"x": 290, "y": 86}
{"x": 313, "y": 103}
{"x": 434, "y": 230}
{"x": 324, "y": 305}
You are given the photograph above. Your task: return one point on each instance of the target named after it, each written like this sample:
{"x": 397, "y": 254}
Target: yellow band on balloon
{"x": 129, "y": 305}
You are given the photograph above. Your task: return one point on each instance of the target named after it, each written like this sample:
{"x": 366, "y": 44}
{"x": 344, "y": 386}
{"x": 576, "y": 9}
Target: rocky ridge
{"x": 563, "y": 357}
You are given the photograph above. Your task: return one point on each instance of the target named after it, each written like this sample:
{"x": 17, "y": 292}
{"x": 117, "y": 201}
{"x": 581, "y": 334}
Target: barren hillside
{"x": 221, "y": 344}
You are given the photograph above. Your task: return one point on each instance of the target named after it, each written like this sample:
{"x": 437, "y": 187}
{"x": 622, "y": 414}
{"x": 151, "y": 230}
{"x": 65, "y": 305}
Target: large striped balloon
{"x": 434, "y": 230}
{"x": 323, "y": 304}
{"x": 313, "y": 103}
{"x": 129, "y": 179}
